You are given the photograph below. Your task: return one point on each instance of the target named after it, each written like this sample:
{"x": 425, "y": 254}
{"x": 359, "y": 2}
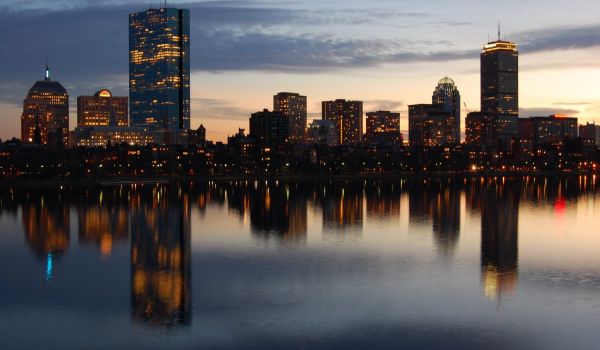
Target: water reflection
{"x": 342, "y": 206}
{"x": 499, "y": 237}
{"x": 160, "y": 257}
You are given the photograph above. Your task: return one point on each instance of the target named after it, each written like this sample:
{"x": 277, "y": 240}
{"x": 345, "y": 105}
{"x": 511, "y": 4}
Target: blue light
{"x": 49, "y": 267}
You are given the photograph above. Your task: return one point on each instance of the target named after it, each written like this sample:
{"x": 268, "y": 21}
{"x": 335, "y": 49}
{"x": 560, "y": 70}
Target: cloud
{"x": 543, "y": 111}
{"x": 557, "y": 38}
{"x": 387, "y": 105}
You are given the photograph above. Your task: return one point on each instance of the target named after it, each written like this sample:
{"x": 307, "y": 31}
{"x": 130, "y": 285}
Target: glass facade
{"x": 446, "y": 94}
{"x": 159, "y": 69}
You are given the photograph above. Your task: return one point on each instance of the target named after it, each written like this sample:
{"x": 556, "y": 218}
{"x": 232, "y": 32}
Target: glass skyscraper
{"x": 446, "y": 94}
{"x": 159, "y": 69}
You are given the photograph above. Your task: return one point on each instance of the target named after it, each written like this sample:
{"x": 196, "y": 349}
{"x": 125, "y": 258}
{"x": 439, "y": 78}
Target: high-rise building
{"x": 270, "y": 132}
{"x": 500, "y": 78}
{"x": 102, "y": 109}
{"x": 545, "y": 130}
{"x": 347, "y": 117}
{"x": 45, "y": 118}
{"x": 479, "y": 129}
{"x": 590, "y": 133}
{"x": 429, "y": 125}
{"x": 293, "y": 106}
{"x": 446, "y": 94}
{"x": 159, "y": 70}
{"x": 383, "y": 127}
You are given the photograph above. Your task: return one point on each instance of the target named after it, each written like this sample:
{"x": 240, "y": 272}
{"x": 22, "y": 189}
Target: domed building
{"x": 45, "y": 118}
{"x": 446, "y": 94}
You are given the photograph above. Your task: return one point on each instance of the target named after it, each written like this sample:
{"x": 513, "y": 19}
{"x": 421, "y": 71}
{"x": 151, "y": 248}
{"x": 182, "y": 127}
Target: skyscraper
{"x": 293, "y": 106}
{"x": 500, "y": 78}
{"x": 270, "y": 131}
{"x": 446, "y": 94}
{"x": 347, "y": 117}
{"x": 159, "y": 70}
{"x": 102, "y": 109}
{"x": 45, "y": 118}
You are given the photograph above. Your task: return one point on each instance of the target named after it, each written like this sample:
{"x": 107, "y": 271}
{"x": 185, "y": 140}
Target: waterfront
{"x": 462, "y": 263}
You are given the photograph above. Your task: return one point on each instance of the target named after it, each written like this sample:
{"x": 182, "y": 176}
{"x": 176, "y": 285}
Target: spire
{"x": 499, "y": 28}
{"x": 47, "y": 76}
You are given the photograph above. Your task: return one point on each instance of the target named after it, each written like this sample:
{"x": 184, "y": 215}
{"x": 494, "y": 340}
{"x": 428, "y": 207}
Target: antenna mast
{"x": 498, "y": 28}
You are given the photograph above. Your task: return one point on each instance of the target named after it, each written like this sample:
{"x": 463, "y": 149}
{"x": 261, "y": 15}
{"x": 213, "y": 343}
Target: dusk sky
{"x": 388, "y": 53}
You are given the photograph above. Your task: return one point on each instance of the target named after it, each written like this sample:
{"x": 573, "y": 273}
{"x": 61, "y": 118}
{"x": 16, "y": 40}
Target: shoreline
{"x": 173, "y": 179}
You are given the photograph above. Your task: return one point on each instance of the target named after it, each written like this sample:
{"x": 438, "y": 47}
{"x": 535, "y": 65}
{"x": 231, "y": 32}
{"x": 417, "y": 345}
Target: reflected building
{"x": 383, "y": 200}
{"x": 342, "y": 208}
{"x": 279, "y": 212}
{"x": 499, "y": 237}
{"x": 46, "y": 225}
{"x": 104, "y": 221}
{"x": 160, "y": 256}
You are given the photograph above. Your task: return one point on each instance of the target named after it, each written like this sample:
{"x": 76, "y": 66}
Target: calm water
{"x": 455, "y": 264}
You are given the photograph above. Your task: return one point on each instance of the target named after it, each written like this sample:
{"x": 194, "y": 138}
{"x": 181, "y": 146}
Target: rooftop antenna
{"x": 498, "y": 28}
{"x": 47, "y": 76}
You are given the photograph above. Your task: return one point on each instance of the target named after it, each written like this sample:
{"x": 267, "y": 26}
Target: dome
{"x": 103, "y": 93}
{"x": 446, "y": 81}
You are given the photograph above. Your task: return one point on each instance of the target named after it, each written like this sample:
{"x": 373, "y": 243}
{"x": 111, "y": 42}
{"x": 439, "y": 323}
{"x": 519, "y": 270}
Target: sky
{"x": 387, "y": 53}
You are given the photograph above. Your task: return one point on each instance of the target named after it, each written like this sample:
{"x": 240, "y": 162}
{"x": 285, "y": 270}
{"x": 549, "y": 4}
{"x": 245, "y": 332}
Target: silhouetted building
{"x": 321, "y": 132}
{"x": 590, "y": 133}
{"x": 243, "y": 148}
{"x": 102, "y": 109}
{"x": 293, "y": 106}
{"x": 446, "y": 94}
{"x": 500, "y": 78}
{"x": 160, "y": 257}
{"x": 383, "y": 127}
{"x": 100, "y": 136}
{"x": 197, "y": 137}
{"x": 499, "y": 238}
{"x": 429, "y": 125}
{"x": 547, "y": 130}
{"x": 347, "y": 117}
{"x": 45, "y": 118}
{"x": 159, "y": 71}
{"x": 270, "y": 132}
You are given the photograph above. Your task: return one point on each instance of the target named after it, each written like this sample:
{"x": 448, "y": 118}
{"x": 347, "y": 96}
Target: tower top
{"x": 47, "y": 74}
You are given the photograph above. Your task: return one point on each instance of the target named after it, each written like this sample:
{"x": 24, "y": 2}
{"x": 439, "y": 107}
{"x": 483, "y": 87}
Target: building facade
{"x": 590, "y": 133}
{"x": 322, "y": 132}
{"x": 548, "y": 130}
{"x": 479, "y": 129}
{"x": 102, "y": 109}
{"x": 446, "y": 94}
{"x": 270, "y": 131}
{"x": 429, "y": 125}
{"x": 159, "y": 70}
{"x": 45, "y": 117}
{"x": 500, "y": 78}
{"x": 293, "y": 106}
{"x": 383, "y": 127}
{"x": 347, "y": 117}
{"x": 101, "y": 136}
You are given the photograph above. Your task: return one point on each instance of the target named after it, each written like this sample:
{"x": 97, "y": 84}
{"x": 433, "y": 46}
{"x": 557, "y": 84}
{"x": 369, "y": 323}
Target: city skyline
{"x": 224, "y": 95}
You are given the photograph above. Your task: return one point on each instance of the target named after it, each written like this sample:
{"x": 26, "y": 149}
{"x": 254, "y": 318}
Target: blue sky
{"x": 389, "y": 53}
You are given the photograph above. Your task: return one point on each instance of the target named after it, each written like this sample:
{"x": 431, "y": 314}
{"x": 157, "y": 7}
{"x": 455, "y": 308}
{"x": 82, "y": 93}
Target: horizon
{"x": 339, "y": 53}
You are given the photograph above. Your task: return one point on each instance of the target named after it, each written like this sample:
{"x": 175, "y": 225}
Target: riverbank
{"x": 112, "y": 181}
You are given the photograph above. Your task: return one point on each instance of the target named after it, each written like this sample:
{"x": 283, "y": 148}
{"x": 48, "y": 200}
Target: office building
{"x": 479, "y": 129}
{"x": 446, "y": 94}
{"x": 547, "y": 130}
{"x": 429, "y": 125}
{"x": 159, "y": 71}
{"x": 500, "y": 78}
{"x": 293, "y": 106}
{"x": 102, "y": 109}
{"x": 45, "y": 117}
{"x": 383, "y": 127}
{"x": 100, "y": 136}
{"x": 347, "y": 117}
